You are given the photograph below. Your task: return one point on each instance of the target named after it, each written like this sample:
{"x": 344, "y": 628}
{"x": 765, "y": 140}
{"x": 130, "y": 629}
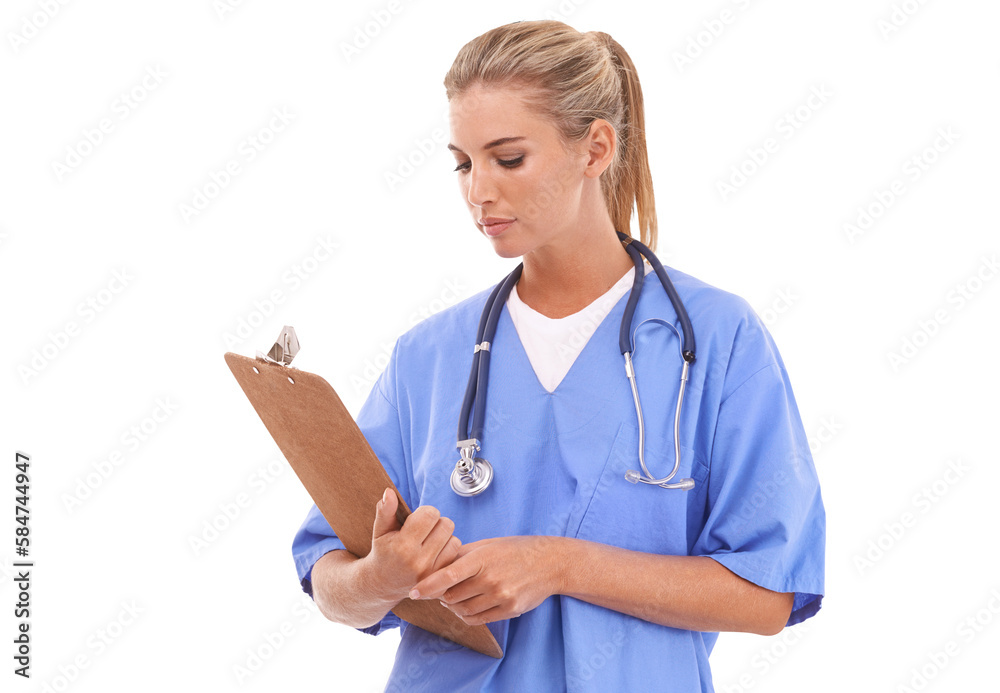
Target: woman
{"x": 587, "y": 582}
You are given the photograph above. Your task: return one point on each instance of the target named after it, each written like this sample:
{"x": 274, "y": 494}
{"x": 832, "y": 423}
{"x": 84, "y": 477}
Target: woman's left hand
{"x": 494, "y": 579}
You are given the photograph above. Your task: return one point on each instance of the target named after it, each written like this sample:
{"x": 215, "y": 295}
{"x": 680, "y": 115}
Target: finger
{"x": 497, "y": 613}
{"x": 435, "y": 584}
{"x": 385, "y": 515}
{"x": 473, "y": 606}
{"x": 420, "y": 523}
{"x": 438, "y": 539}
{"x": 435, "y": 540}
{"x": 448, "y": 554}
{"x": 463, "y": 592}
{"x": 472, "y": 546}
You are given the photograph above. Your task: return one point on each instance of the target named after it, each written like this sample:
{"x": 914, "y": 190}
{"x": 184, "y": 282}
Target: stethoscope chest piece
{"x": 471, "y": 476}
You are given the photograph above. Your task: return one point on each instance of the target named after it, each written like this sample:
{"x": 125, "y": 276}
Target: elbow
{"x": 770, "y": 627}
{"x": 772, "y": 619}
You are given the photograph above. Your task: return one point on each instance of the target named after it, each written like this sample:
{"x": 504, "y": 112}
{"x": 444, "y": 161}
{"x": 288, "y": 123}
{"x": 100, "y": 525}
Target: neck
{"x": 567, "y": 275}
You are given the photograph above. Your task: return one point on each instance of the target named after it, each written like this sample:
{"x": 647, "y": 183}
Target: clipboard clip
{"x": 284, "y": 350}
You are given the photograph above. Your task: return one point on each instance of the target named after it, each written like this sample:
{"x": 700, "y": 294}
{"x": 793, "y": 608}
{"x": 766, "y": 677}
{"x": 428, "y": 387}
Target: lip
{"x": 494, "y": 226}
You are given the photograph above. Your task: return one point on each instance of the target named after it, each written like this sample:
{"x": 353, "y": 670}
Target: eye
{"x": 507, "y": 163}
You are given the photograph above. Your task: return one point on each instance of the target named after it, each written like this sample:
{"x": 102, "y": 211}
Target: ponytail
{"x": 631, "y": 183}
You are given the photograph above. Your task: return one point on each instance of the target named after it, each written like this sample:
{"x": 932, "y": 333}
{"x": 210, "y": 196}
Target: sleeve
{"x": 379, "y": 420}
{"x": 765, "y": 516}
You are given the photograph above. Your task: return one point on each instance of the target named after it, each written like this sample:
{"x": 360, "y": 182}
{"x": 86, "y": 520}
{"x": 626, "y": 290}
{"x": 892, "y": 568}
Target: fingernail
{"x": 385, "y": 496}
{"x": 414, "y": 594}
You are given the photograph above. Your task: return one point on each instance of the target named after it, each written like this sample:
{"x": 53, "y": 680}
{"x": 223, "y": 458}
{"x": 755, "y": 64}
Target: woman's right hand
{"x": 403, "y": 555}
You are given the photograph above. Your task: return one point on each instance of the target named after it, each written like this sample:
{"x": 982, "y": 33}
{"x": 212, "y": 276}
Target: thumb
{"x": 385, "y": 515}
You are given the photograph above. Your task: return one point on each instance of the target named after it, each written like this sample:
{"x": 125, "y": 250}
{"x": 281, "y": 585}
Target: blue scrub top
{"x": 560, "y": 461}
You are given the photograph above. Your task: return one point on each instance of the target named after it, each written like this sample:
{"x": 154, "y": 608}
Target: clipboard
{"x": 337, "y": 466}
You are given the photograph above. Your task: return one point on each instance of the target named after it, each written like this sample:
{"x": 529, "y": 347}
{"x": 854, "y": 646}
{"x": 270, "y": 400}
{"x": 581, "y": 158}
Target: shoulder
{"x": 448, "y": 323}
{"x": 729, "y": 333}
{"x": 443, "y": 336}
{"x": 701, "y": 297}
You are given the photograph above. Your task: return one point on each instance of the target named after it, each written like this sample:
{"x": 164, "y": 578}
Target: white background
{"x": 839, "y": 304}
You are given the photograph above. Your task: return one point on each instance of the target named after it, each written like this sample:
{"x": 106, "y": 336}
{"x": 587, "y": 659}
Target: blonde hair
{"x": 571, "y": 79}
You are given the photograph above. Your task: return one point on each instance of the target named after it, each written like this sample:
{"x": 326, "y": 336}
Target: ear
{"x": 600, "y": 147}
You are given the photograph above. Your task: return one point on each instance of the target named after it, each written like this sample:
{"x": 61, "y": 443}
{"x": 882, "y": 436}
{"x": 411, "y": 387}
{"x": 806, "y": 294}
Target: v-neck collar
{"x": 618, "y": 308}
{"x": 588, "y": 387}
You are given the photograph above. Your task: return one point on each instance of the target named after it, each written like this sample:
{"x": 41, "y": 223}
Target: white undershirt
{"x": 552, "y": 344}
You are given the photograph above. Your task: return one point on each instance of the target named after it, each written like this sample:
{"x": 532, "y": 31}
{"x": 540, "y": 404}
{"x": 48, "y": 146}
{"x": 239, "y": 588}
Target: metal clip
{"x": 467, "y": 448}
{"x": 284, "y": 350}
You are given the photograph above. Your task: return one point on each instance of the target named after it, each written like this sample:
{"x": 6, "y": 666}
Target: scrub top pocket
{"x": 643, "y": 517}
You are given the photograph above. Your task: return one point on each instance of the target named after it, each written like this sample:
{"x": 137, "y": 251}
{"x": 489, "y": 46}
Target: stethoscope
{"x": 472, "y": 475}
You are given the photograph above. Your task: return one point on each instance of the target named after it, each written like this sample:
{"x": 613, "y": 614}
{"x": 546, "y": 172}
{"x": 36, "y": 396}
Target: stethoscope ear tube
{"x": 687, "y": 344}
{"x": 624, "y": 340}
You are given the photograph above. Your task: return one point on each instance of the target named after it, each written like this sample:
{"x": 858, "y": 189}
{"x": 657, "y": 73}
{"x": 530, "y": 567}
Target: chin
{"x": 505, "y": 249}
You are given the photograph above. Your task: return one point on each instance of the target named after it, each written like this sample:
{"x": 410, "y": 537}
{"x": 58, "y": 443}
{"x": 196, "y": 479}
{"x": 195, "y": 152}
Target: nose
{"x": 481, "y": 186}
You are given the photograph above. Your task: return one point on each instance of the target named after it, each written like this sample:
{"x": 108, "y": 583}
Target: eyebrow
{"x": 490, "y": 145}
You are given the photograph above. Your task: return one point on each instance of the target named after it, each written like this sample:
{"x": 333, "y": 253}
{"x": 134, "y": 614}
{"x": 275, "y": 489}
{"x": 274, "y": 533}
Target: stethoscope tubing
{"x": 474, "y": 402}
{"x": 624, "y": 340}
{"x": 479, "y": 376}
{"x": 470, "y": 389}
{"x": 688, "y": 345}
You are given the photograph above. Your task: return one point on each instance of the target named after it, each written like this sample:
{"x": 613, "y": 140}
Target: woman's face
{"x": 511, "y": 165}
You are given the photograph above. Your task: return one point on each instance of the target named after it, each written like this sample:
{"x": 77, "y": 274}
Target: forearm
{"x": 344, "y": 592}
{"x": 690, "y": 592}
